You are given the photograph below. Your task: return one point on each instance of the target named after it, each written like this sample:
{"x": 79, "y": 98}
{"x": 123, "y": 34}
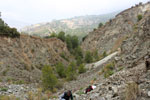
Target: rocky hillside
{"x": 110, "y": 37}
{"x": 22, "y": 58}
{"x": 79, "y": 26}
{"x": 133, "y": 81}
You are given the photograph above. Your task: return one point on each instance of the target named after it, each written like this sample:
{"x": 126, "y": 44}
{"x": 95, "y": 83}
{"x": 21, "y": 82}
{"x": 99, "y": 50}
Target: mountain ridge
{"x": 79, "y": 26}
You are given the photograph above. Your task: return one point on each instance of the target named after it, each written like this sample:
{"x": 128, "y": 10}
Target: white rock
{"x": 149, "y": 93}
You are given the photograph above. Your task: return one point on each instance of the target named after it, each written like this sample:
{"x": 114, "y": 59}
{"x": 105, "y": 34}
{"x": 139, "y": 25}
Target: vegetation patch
{"x": 71, "y": 72}
{"x": 132, "y": 91}
{"x": 63, "y": 56}
{"x": 60, "y": 69}
{"x": 81, "y": 69}
{"x": 139, "y": 17}
{"x": 3, "y": 89}
{"x": 100, "y": 25}
{"x": 108, "y": 70}
{"x": 5, "y": 30}
{"x": 11, "y": 97}
{"x": 49, "y": 80}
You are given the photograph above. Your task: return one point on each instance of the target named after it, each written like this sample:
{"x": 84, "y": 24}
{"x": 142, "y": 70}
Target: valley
{"x": 114, "y": 57}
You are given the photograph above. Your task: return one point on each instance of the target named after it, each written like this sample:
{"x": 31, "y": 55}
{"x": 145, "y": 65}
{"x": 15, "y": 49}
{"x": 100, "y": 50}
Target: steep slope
{"x": 110, "y": 37}
{"x": 133, "y": 82}
{"x": 79, "y": 26}
{"x": 22, "y": 58}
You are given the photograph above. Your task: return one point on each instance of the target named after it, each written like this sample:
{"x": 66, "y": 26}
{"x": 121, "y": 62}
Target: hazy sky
{"x": 18, "y": 13}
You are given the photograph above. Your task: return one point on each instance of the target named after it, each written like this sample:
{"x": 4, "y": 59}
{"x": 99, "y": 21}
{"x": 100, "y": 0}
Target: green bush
{"x": 95, "y": 55}
{"x": 75, "y": 42}
{"x": 63, "y": 56}
{"x": 68, "y": 42}
{"x": 78, "y": 53}
{"x": 94, "y": 29}
{"x": 49, "y": 79}
{"x": 100, "y": 25}
{"x": 5, "y": 30}
{"x": 79, "y": 60}
{"x": 4, "y": 89}
{"x": 108, "y": 70}
{"x": 104, "y": 54}
{"x": 71, "y": 72}
{"x": 61, "y": 36}
{"x": 139, "y": 17}
{"x": 88, "y": 57}
{"x": 108, "y": 73}
{"x": 60, "y": 69}
{"x": 81, "y": 69}
{"x": 52, "y": 35}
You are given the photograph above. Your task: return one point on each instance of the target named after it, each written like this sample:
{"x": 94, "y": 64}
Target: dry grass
{"x": 11, "y": 97}
{"x": 38, "y": 96}
{"x": 132, "y": 91}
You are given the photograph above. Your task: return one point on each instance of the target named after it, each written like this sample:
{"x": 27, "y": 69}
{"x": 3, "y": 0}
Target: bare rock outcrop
{"x": 23, "y": 58}
{"x": 110, "y": 37}
{"x": 133, "y": 82}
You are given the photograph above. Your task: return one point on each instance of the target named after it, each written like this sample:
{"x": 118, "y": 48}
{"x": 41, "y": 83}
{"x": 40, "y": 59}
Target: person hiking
{"x": 67, "y": 96}
{"x": 89, "y": 88}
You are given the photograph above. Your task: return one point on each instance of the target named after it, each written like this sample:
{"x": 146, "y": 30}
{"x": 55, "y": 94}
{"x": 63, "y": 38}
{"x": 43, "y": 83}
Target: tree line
{"x": 5, "y": 30}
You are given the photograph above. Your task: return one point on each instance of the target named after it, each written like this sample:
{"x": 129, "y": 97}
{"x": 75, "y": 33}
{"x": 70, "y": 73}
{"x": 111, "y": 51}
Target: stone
{"x": 148, "y": 93}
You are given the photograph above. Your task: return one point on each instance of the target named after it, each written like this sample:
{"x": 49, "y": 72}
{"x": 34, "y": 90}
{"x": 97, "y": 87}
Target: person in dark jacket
{"x": 67, "y": 96}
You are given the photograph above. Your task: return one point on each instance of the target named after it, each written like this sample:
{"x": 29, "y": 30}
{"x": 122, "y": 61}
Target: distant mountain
{"x": 79, "y": 26}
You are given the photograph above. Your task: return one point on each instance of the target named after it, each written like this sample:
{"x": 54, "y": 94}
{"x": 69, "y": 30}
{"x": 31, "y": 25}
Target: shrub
{"x": 4, "y": 89}
{"x": 79, "y": 60}
{"x": 5, "y": 30}
{"x": 88, "y": 57}
{"x": 108, "y": 73}
{"x": 53, "y": 35}
{"x": 139, "y": 17}
{"x": 49, "y": 79}
{"x": 100, "y": 25}
{"x": 68, "y": 42}
{"x": 5, "y": 72}
{"x": 108, "y": 70}
{"x": 78, "y": 53}
{"x": 71, "y": 71}
{"x": 60, "y": 69}
{"x": 95, "y": 55}
{"x": 81, "y": 69}
{"x": 63, "y": 56}
{"x": 61, "y": 35}
{"x": 74, "y": 41}
{"x": 94, "y": 29}
{"x": 104, "y": 54}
